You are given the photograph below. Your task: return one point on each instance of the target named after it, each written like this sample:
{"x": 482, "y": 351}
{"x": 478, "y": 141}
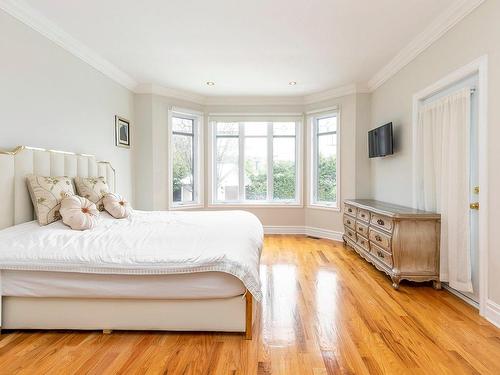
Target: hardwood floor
{"x": 325, "y": 311}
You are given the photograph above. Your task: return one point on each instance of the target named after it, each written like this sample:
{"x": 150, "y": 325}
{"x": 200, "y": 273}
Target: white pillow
{"x": 78, "y": 212}
{"x": 117, "y": 207}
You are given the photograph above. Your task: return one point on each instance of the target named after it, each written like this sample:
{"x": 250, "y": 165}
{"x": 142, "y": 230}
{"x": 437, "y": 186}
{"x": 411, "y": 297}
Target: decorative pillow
{"x": 79, "y": 213}
{"x": 46, "y": 194}
{"x": 117, "y": 207}
{"x": 92, "y": 188}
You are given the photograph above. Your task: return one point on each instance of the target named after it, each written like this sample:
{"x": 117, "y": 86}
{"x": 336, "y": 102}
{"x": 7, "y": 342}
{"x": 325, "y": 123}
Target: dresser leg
{"x": 395, "y": 282}
{"x": 436, "y": 284}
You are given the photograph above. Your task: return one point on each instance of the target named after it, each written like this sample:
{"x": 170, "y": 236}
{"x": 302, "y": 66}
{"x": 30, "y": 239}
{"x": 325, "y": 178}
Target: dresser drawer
{"x": 362, "y": 229}
{"x": 349, "y": 222}
{"x": 363, "y": 215}
{"x": 381, "y": 254}
{"x": 350, "y": 210}
{"x": 363, "y": 242}
{"x": 382, "y": 222}
{"x": 380, "y": 239}
{"x": 350, "y": 233}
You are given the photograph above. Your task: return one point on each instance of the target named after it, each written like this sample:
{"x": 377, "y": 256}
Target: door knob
{"x": 474, "y": 206}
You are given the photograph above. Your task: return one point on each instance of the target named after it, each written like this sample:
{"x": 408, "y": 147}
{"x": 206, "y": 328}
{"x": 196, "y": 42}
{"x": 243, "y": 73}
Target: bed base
{"x": 219, "y": 315}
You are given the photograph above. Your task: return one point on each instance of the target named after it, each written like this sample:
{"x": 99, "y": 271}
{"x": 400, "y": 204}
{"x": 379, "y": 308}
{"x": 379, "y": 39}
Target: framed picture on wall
{"x": 122, "y": 132}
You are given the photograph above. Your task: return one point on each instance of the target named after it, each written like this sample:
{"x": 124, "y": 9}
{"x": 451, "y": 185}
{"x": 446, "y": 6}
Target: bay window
{"x": 324, "y": 157}
{"x": 255, "y": 161}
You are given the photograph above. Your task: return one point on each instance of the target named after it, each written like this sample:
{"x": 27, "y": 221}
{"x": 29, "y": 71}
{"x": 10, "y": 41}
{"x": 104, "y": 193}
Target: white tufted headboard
{"x": 15, "y": 201}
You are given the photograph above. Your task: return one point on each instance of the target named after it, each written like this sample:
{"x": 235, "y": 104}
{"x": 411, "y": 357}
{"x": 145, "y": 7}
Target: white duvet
{"x": 156, "y": 242}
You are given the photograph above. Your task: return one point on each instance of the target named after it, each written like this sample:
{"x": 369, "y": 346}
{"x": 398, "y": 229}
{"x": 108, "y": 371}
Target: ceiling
{"x": 246, "y": 47}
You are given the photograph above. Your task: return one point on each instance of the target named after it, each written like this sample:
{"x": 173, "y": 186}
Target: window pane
{"x": 328, "y": 124}
{"x": 228, "y": 128}
{"x": 182, "y": 125}
{"x": 284, "y": 178}
{"x": 183, "y": 181}
{"x": 227, "y": 169}
{"x": 256, "y": 168}
{"x": 284, "y": 128}
{"x": 255, "y": 128}
{"x": 327, "y": 168}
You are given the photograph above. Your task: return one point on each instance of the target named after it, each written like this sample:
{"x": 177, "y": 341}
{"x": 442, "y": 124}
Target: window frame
{"x": 198, "y": 177}
{"x": 313, "y": 158}
{"x": 241, "y": 119}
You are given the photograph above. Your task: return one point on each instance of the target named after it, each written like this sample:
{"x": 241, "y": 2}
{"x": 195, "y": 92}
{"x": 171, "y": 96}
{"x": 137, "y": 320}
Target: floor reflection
{"x": 279, "y": 286}
{"x": 326, "y": 307}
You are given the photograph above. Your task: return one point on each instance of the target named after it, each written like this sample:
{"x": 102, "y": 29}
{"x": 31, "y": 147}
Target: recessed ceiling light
{"x": 292, "y": 83}
{"x": 210, "y": 83}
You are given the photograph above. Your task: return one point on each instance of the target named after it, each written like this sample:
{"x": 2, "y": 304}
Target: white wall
{"x": 51, "y": 99}
{"x": 391, "y": 177}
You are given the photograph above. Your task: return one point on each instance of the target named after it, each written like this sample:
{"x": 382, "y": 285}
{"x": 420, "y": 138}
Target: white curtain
{"x": 442, "y": 142}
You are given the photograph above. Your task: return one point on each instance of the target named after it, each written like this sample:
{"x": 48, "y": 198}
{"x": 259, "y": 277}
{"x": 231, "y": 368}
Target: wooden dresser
{"x": 402, "y": 242}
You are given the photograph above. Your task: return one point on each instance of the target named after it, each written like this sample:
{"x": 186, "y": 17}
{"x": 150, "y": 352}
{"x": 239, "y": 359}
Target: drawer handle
{"x": 360, "y": 229}
{"x": 380, "y": 222}
{"x": 378, "y": 238}
{"x": 348, "y": 221}
{"x": 380, "y": 254}
{"x": 350, "y": 234}
{"x": 349, "y": 210}
{"x": 362, "y": 215}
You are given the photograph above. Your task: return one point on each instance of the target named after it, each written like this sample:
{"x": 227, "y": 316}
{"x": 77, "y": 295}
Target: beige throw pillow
{"x": 46, "y": 194}
{"x": 117, "y": 207}
{"x": 78, "y": 212}
{"x": 92, "y": 188}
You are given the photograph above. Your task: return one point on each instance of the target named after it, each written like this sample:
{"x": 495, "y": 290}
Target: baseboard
{"x": 309, "y": 231}
{"x": 282, "y": 229}
{"x": 492, "y": 312}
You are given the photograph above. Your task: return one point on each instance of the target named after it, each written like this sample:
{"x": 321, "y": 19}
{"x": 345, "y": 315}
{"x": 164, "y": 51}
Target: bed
{"x": 181, "y": 271}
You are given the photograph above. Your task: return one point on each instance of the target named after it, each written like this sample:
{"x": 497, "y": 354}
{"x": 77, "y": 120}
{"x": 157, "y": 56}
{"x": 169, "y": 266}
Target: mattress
{"x": 148, "y": 243}
{"x": 200, "y": 285}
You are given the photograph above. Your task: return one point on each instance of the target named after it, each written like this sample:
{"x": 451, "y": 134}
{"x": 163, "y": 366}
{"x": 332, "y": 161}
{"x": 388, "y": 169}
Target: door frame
{"x": 479, "y": 67}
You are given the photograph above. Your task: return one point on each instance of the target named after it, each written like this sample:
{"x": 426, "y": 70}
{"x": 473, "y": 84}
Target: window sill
{"x": 324, "y": 207}
{"x": 181, "y": 207}
{"x": 255, "y": 205}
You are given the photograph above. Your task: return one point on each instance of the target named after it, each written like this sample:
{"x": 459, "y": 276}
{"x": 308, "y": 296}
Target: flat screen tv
{"x": 380, "y": 141}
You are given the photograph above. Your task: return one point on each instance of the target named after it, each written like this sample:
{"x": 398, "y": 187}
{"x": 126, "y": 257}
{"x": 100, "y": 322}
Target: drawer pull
{"x": 360, "y": 229}
{"x": 350, "y": 234}
{"x": 349, "y": 210}
{"x": 380, "y": 254}
{"x": 363, "y": 215}
{"x": 378, "y": 238}
{"x": 348, "y": 221}
{"x": 380, "y": 222}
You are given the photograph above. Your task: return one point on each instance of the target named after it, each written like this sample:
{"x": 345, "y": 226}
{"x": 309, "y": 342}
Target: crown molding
{"x": 254, "y": 100}
{"x": 453, "y": 15}
{"x": 51, "y": 31}
{"x": 354, "y": 88}
{"x": 330, "y": 94}
{"x": 151, "y": 88}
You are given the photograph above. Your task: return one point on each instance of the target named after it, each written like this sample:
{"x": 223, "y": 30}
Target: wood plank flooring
{"x": 325, "y": 311}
